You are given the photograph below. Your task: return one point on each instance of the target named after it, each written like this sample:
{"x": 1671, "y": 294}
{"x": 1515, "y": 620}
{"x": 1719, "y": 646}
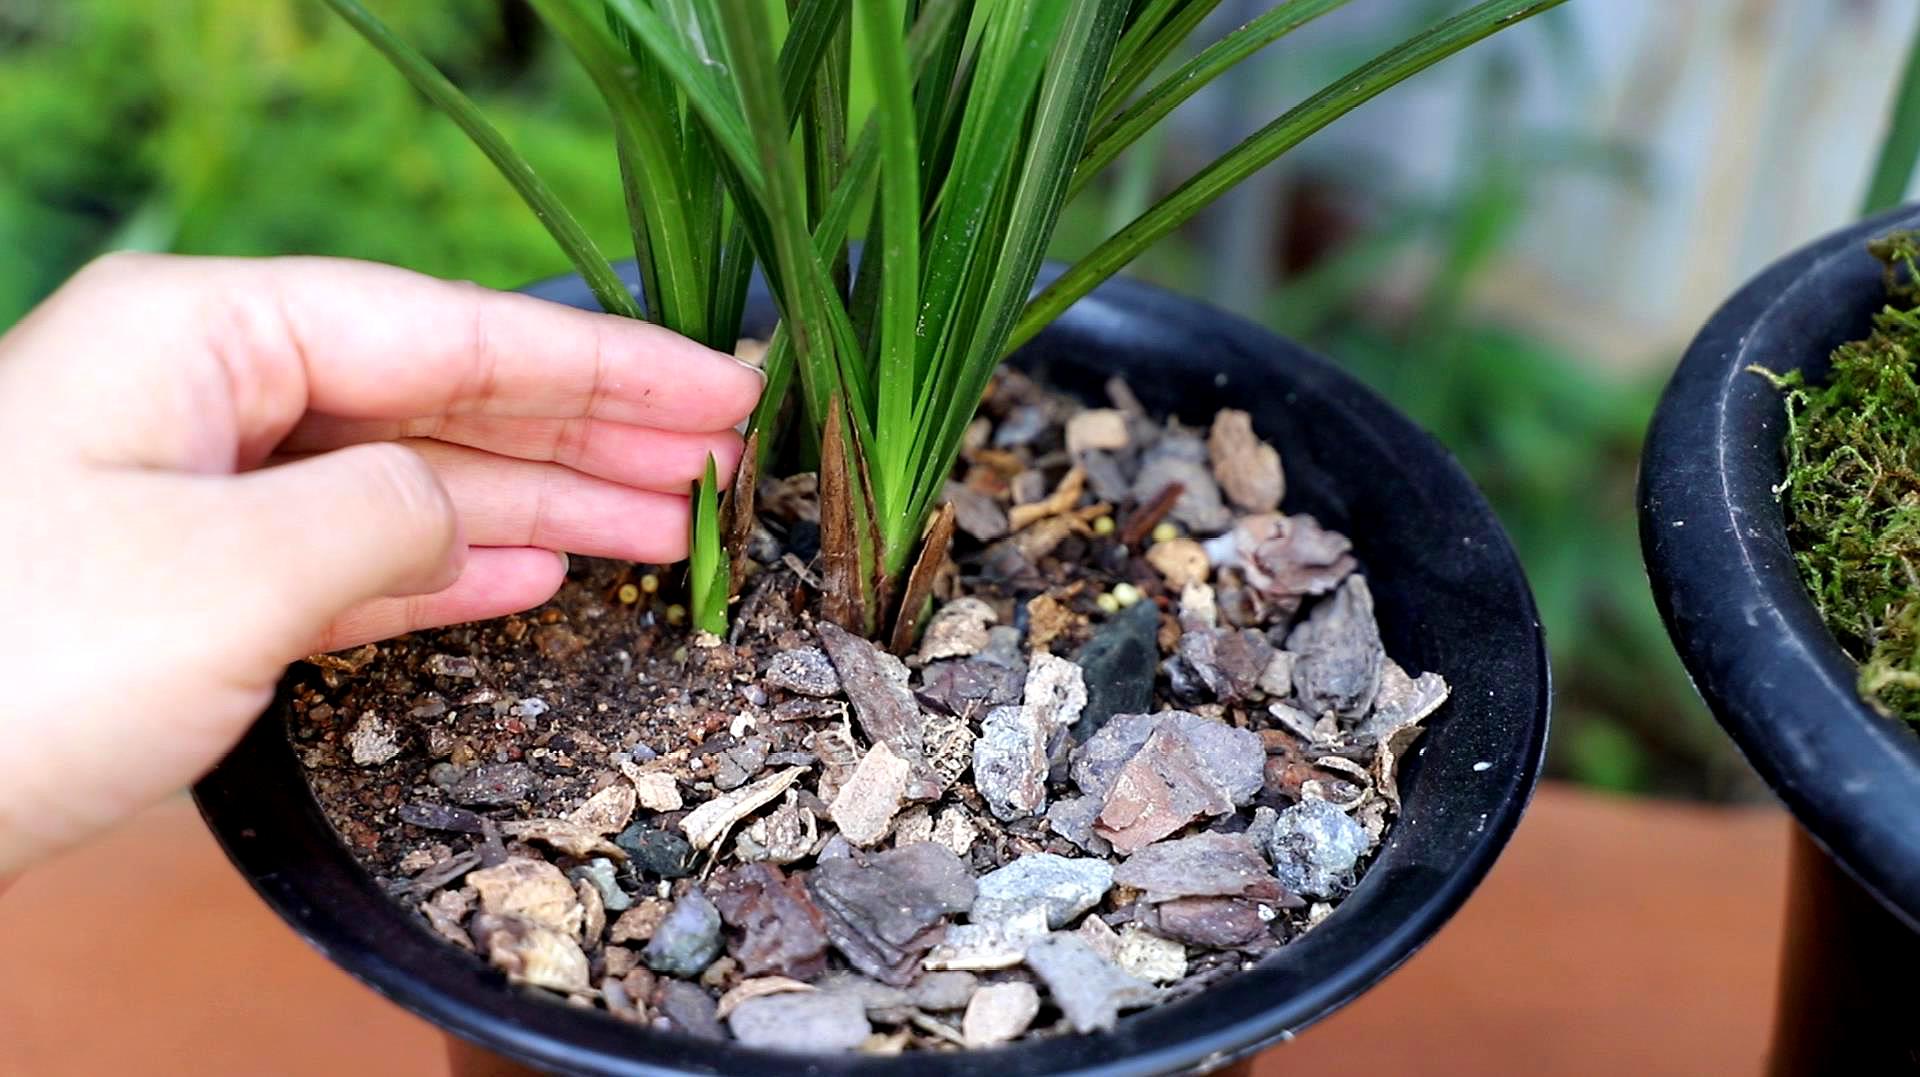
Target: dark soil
{"x": 1163, "y": 703}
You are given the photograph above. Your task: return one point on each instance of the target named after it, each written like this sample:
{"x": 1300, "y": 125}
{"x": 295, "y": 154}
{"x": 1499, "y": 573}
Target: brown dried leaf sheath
{"x": 738, "y": 513}
{"x": 839, "y": 541}
{"x": 926, "y": 569}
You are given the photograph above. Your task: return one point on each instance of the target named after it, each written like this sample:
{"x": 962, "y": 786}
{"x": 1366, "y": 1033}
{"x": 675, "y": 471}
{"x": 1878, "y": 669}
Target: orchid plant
{"x": 737, "y": 149}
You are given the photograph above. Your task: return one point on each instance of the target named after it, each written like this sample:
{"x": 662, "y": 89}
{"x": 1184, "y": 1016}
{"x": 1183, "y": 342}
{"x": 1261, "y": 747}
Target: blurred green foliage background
{"x": 254, "y": 127}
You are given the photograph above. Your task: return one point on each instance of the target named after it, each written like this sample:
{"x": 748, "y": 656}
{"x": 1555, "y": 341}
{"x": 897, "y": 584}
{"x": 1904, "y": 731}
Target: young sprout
{"x": 1164, "y": 531}
{"x": 709, "y": 569}
{"x": 629, "y": 594}
{"x": 1103, "y": 525}
{"x": 1126, "y": 594}
{"x": 1108, "y": 604}
{"x": 649, "y": 583}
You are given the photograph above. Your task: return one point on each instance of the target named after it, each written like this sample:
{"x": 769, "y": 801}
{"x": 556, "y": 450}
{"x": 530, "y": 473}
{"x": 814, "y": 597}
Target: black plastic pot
{"x": 1450, "y": 597}
{"x": 1714, "y": 535}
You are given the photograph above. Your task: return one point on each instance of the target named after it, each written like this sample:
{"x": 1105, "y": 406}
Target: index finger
{"x": 384, "y": 342}
{"x": 391, "y": 344}
{"x": 359, "y": 340}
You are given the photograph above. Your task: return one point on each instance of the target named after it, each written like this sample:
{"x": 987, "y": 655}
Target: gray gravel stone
{"x": 603, "y": 876}
{"x": 690, "y": 1010}
{"x": 1011, "y": 757}
{"x": 1064, "y": 887}
{"x": 1314, "y": 847}
{"x": 1088, "y": 988}
{"x": 738, "y": 764}
{"x": 977, "y": 514}
{"x": 494, "y": 784}
{"x": 1021, "y": 426}
{"x": 876, "y": 683}
{"x": 688, "y": 940}
{"x": 937, "y": 992}
{"x": 1010, "y": 763}
{"x": 1072, "y": 818}
{"x": 815, "y": 1021}
{"x": 804, "y": 671}
{"x": 883, "y": 1002}
{"x": 1055, "y": 693}
{"x": 1338, "y": 655}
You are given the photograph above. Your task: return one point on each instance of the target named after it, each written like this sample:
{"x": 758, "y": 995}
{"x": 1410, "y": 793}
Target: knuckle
{"x": 122, "y": 279}
{"x": 484, "y": 359}
{"x": 118, "y": 267}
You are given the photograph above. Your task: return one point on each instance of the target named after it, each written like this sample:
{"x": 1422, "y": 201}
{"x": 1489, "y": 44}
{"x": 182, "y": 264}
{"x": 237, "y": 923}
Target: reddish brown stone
{"x": 1162, "y": 788}
{"x": 1221, "y": 923}
{"x": 1204, "y": 865}
{"x": 783, "y": 932}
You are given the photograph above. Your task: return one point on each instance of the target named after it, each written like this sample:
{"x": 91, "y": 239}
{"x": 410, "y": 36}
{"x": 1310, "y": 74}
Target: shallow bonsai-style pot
{"x": 1713, "y": 531}
{"x": 1450, "y": 598}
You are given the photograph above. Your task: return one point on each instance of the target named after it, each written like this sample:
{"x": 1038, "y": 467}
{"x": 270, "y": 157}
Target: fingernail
{"x": 755, "y": 348}
{"x": 566, "y": 563}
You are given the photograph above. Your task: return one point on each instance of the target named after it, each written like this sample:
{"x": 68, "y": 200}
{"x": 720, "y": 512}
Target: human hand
{"x": 215, "y": 466}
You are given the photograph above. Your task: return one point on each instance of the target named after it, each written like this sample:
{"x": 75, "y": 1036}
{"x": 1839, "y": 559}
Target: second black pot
{"x": 1450, "y": 597}
{"x": 1714, "y": 534}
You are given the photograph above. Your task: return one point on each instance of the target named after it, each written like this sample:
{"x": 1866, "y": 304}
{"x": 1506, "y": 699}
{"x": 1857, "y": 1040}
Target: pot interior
{"x": 1450, "y": 597}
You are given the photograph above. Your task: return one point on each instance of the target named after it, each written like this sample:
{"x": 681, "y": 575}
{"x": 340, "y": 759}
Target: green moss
{"x": 1852, "y": 488}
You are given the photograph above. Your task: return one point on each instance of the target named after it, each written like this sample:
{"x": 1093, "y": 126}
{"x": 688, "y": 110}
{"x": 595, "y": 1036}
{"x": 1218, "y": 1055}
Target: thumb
{"x": 325, "y": 533}
{"x": 263, "y": 562}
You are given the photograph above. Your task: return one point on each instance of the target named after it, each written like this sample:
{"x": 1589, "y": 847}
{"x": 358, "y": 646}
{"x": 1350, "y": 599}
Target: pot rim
{"x": 1713, "y": 533}
{"x": 1472, "y": 799}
